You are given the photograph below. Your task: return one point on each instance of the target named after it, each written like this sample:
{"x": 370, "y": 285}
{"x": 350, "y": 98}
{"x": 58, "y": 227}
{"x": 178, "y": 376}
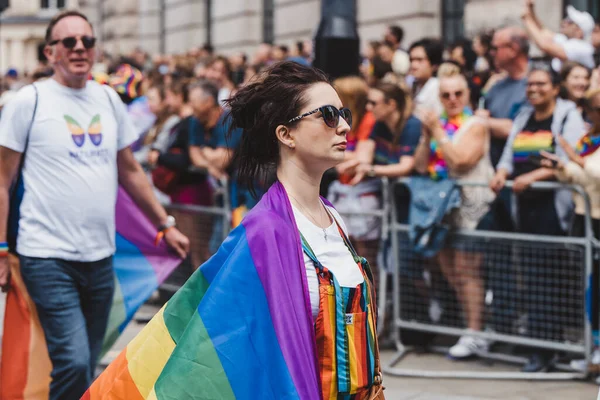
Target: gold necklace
{"x": 311, "y": 216}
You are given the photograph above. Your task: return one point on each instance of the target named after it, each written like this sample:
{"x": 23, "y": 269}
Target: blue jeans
{"x": 73, "y": 300}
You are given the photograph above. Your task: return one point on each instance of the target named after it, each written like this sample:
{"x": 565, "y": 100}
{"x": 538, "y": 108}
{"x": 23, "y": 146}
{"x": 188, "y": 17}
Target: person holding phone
{"x": 539, "y": 125}
{"x": 583, "y": 168}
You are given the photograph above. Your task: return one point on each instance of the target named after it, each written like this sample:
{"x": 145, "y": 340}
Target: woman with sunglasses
{"x": 456, "y": 145}
{"x": 583, "y": 168}
{"x": 538, "y": 127}
{"x": 286, "y": 289}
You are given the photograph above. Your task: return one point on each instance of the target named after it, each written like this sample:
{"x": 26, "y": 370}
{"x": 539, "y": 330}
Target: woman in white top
{"x": 294, "y": 124}
{"x": 456, "y": 145}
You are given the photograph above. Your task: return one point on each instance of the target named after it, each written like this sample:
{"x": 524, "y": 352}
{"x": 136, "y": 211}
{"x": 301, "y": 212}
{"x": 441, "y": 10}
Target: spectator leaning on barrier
{"x": 158, "y": 136}
{"x": 502, "y": 102}
{"x": 173, "y": 176}
{"x": 74, "y": 135}
{"x": 218, "y": 71}
{"x": 366, "y": 195}
{"x": 537, "y": 128}
{"x": 583, "y": 168}
{"x": 425, "y": 57}
{"x": 455, "y": 145}
{"x": 574, "y": 82}
{"x": 573, "y": 43}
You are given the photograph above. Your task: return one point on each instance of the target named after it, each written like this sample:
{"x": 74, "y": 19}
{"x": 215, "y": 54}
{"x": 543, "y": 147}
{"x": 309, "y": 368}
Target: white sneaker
{"x": 582, "y": 366}
{"x": 468, "y": 346}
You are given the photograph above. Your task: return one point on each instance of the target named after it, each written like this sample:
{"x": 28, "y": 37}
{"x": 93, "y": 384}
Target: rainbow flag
{"x": 240, "y": 328}
{"x": 140, "y": 267}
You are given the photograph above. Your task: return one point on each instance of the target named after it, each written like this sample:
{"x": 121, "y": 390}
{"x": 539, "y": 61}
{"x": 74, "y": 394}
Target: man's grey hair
{"x": 208, "y": 88}
{"x": 518, "y": 36}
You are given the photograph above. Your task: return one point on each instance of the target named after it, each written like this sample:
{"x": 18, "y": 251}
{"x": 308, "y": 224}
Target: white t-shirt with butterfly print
{"x": 70, "y": 169}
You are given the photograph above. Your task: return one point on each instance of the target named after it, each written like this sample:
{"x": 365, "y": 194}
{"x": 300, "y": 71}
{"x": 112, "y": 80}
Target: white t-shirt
{"x": 332, "y": 253}
{"x": 70, "y": 169}
{"x": 576, "y": 50}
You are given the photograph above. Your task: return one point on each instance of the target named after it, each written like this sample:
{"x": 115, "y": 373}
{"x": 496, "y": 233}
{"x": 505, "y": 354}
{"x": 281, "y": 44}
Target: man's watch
{"x": 169, "y": 223}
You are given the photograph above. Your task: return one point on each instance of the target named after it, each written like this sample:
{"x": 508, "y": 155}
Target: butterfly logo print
{"x": 78, "y": 134}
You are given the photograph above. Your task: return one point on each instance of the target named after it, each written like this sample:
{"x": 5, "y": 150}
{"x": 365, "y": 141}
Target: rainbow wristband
{"x": 3, "y": 249}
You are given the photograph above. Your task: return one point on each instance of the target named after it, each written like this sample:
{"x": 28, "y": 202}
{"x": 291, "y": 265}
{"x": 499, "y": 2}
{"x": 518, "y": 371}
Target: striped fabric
{"x": 140, "y": 267}
{"x": 345, "y": 331}
{"x": 240, "y": 328}
{"x": 531, "y": 143}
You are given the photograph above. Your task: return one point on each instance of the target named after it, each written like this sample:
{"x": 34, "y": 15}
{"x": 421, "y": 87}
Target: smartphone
{"x": 536, "y": 159}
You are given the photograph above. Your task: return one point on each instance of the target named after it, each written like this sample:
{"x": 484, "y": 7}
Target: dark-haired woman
{"x": 537, "y": 128}
{"x": 173, "y": 152}
{"x": 574, "y": 81}
{"x": 286, "y": 307}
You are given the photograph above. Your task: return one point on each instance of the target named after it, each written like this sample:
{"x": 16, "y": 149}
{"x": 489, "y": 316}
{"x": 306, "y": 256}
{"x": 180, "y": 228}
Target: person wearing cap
{"x": 574, "y": 41}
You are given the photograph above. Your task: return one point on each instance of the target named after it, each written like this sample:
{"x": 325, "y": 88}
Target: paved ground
{"x": 445, "y": 389}
{"x": 430, "y": 389}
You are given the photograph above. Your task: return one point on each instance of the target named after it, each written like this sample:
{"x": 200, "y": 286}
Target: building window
{"x": 591, "y": 6}
{"x": 268, "y": 27}
{"x": 453, "y": 26}
{"x": 53, "y": 4}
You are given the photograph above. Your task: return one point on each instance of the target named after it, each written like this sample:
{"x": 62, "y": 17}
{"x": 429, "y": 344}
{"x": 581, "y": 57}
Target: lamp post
{"x": 337, "y": 42}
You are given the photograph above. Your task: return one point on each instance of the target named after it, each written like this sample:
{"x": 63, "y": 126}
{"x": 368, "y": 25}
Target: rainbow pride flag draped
{"x": 140, "y": 267}
{"x": 240, "y": 328}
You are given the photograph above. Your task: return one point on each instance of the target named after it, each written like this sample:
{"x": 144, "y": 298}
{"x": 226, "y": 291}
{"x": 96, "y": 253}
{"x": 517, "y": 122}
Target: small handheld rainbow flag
{"x": 140, "y": 267}
{"x": 240, "y": 328}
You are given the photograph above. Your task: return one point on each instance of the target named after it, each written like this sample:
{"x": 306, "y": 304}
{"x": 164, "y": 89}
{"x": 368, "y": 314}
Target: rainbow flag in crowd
{"x": 140, "y": 267}
{"x": 240, "y": 328}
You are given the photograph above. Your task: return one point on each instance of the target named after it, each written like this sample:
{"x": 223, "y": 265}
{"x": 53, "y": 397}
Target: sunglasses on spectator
{"x": 448, "y": 95}
{"x": 71, "y": 41}
{"x": 331, "y": 115}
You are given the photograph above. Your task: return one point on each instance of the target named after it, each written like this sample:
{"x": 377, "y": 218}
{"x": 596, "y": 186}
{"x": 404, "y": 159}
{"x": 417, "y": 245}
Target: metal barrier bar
{"x": 588, "y": 243}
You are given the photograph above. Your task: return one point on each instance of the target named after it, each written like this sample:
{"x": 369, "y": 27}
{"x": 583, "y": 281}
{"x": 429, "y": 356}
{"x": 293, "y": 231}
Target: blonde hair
{"x": 448, "y": 70}
{"x": 353, "y": 92}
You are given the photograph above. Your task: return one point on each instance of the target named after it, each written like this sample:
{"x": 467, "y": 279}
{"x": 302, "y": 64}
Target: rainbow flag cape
{"x": 240, "y": 328}
{"x": 140, "y": 267}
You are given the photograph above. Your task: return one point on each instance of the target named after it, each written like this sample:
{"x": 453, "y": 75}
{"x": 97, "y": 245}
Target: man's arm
{"x": 499, "y": 127}
{"x": 135, "y": 183}
{"x": 542, "y": 40}
{"x": 9, "y": 165}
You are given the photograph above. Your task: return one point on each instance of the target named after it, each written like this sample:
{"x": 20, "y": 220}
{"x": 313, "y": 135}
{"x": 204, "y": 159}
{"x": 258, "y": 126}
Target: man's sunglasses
{"x": 71, "y": 41}
{"x": 457, "y": 94}
{"x": 331, "y": 115}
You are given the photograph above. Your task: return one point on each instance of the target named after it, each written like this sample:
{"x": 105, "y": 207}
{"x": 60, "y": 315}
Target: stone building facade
{"x": 174, "y": 26}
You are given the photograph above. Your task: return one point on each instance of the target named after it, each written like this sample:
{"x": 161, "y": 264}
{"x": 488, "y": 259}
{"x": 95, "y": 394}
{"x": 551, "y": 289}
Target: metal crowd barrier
{"x": 382, "y": 215}
{"x": 205, "y": 226}
{"x": 515, "y": 267}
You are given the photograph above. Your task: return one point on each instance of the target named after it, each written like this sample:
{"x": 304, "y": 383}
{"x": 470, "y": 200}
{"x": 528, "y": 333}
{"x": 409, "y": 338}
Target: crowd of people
{"x": 483, "y": 110}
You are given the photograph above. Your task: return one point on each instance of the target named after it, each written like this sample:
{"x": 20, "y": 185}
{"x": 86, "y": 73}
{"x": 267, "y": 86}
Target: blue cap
{"x": 12, "y": 73}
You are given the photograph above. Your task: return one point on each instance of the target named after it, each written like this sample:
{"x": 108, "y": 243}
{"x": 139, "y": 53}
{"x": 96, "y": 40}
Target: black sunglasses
{"x": 331, "y": 115}
{"x": 447, "y": 95}
{"x": 71, "y": 41}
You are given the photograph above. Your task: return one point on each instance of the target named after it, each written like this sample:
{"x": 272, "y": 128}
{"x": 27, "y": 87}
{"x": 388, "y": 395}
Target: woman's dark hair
{"x": 545, "y": 66}
{"x": 468, "y": 53}
{"x": 271, "y": 98}
{"x": 565, "y": 71}
{"x": 180, "y": 87}
{"x": 394, "y": 92}
{"x": 434, "y": 49}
